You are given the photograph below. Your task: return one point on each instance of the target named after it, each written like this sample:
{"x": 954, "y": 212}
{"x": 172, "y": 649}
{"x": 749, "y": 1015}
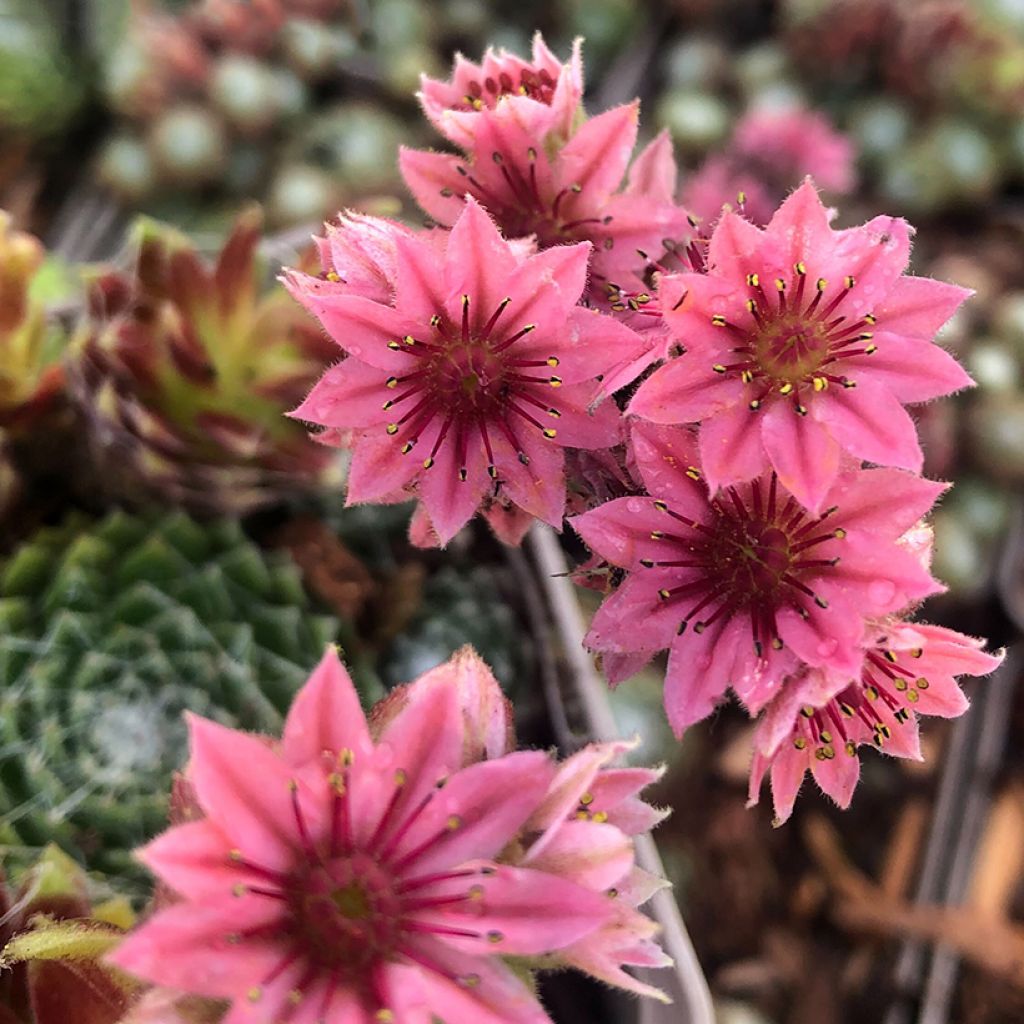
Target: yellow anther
{"x": 428, "y": 462}
{"x": 392, "y": 429}
{"x": 800, "y": 268}
{"x": 693, "y": 472}
{"x": 819, "y": 383}
{"x": 785, "y": 389}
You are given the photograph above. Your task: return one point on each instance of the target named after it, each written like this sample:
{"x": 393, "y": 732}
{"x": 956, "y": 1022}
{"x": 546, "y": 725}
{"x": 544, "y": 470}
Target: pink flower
{"x": 794, "y": 143}
{"x": 803, "y": 342}
{"x": 542, "y": 95}
{"x": 532, "y": 185}
{"x": 746, "y": 587}
{"x": 818, "y": 721}
{"x": 345, "y": 878}
{"x": 463, "y": 386}
{"x": 583, "y": 830}
{"x": 770, "y": 152}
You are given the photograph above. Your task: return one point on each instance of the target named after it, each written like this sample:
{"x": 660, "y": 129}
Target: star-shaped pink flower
{"x": 818, "y": 720}
{"x": 465, "y": 382}
{"x": 542, "y": 95}
{"x": 746, "y": 586}
{"x": 342, "y": 877}
{"x": 557, "y": 186}
{"x": 802, "y": 342}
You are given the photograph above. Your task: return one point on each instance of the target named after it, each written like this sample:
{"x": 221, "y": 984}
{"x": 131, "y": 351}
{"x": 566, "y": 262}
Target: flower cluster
{"x": 409, "y": 867}
{"x": 759, "y": 491}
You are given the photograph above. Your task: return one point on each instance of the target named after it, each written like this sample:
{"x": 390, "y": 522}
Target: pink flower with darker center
{"x": 463, "y": 385}
{"x": 802, "y": 342}
{"x": 745, "y": 587}
{"x": 341, "y": 878}
{"x": 818, "y": 721}
{"x": 541, "y": 94}
{"x": 557, "y": 178}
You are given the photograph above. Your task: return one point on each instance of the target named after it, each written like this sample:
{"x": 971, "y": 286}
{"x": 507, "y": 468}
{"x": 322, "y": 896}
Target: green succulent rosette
{"x": 109, "y": 631}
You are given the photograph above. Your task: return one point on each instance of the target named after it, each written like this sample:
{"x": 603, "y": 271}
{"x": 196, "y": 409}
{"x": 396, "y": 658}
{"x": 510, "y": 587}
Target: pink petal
{"x": 534, "y": 913}
{"x": 653, "y": 172}
{"x": 420, "y": 288}
{"x": 800, "y": 227}
{"x": 378, "y": 468}
{"x": 870, "y": 423}
{"x": 617, "y": 668}
{"x": 544, "y": 290}
{"x": 591, "y": 344}
{"x": 731, "y": 449}
{"x": 424, "y": 742}
{"x": 668, "y": 460}
{"x": 325, "y": 716}
{"x": 787, "y": 773}
{"x": 186, "y": 947}
{"x": 449, "y": 500}
{"x": 497, "y": 997}
{"x": 686, "y": 390}
{"x": 919, "y": 306}
{"x": 363, "y": 329}
{"x": 888, "y": 577}
{"x": 597, "y": 155}
{"x": 837, "y": 776}
{"x": 579, "y": 424}
{"x": 914, "y": 371}
{"x": 699, "y": 668}
{"x": 690, "y": 300}
{"x": 246, "y": 790}
{"x": 875, "y": 255}
{"x": 489, "y": 801}
{"x": 489, "y": 730}
{"x": 476, "y": 265}
{"x": 734, "y": 248}
{"x": 821, "y": 639}
{"x": 349, "y": 394}
{"x": 634, "y": 618}
{"x": 193, "y": 860}
{"x": 539, "y": 486}
{"x": 433, "y": 179}
{"x": 589, "y": 853}
{"x": 510, "y": 524}
{"x": 883, "y": 502}
{"x": 803, "y": 453}
{"x": 620, "y": 531}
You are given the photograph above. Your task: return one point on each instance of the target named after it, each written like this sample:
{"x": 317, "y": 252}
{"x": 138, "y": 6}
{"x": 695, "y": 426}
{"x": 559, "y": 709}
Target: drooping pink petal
{"x": 455, "y": 485}
{"x": 668, "y": 460}
{"x": 698, "y": 675}
{"x": 593, "y": 854}
{"x": 378, "y": 469}
{"x": 885, "y": 502}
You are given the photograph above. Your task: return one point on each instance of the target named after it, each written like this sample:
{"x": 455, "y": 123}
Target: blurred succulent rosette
{"x": 182, "y": 372}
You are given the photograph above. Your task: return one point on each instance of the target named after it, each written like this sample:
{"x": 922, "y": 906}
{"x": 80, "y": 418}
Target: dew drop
{"x": 635, "y": 506}
{"x": 827, "y": 647}
{"x": 881, "y": 592}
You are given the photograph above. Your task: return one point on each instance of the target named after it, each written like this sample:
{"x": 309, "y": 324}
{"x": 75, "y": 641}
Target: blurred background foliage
{"x": 190, "y": 111}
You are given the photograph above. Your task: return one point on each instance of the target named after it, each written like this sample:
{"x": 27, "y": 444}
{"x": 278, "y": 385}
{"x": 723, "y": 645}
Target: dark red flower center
{"x": 796, "y": 341}
{"x": 536, "y": 83}
{"x": 884, "y": 696}
{"x": 752, "y": 555}
{"x": 348, "y": 905}
{"x": 471, "y": 382}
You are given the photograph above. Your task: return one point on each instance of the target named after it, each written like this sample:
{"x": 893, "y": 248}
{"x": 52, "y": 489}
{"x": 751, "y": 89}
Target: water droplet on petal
{"x": 635, "y": 506}
{"x": 827, "y": 647}
{"x": 881, "y": 592}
